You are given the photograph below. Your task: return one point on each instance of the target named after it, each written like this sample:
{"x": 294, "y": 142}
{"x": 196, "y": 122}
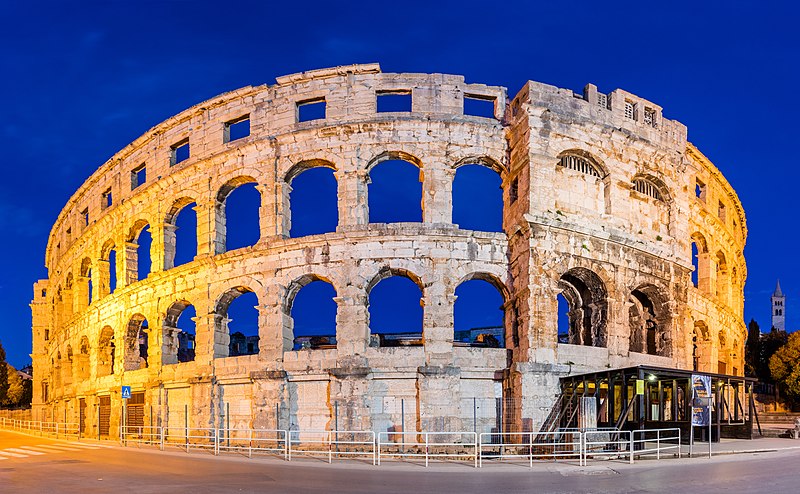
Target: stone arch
{"x": 178, "y": 344}
{"x": 661, "y": 187}
{"x": 393, "y": 194}
{"x": 320, "y": 182}
{"x": 393, "y": 155}
{"x": 722, "y": 286}
{"x": 222, "y": 336}
{"x": 484, "y": 160}
{"x": 390, "y": 336}
{"x": 136, "y": 336}
{"x": 171, "y": 236}
{"x": 106, "y": 352}
{"x": 589, "y": 165}
{"x": 107, "y": 269}
{"x": 649, "y": 321}
{"x": 485, "y": 335}
{"x": 311, "y": 341}
{"x": 221, "y": 243}
{"x": 701, "y": 274}
{"x": 587, "y": 297}
{"x": 138, "y": 255}
{"x": 82, "y": 359}
{"x": 84, "y": 288}
{"x": 477, "y": 203}
{"x": 701, "y": 346}
{"x": 67, "y": 366}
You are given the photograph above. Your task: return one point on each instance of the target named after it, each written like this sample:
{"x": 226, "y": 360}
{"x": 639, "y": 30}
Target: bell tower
{"x": 778, "y": 308}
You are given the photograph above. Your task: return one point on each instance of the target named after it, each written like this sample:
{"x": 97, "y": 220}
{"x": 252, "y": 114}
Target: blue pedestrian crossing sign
{"x": 126, "y": 392}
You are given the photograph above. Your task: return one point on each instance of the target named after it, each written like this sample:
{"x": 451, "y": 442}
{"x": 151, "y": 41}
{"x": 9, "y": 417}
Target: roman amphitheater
{"x": 605, "y": 203}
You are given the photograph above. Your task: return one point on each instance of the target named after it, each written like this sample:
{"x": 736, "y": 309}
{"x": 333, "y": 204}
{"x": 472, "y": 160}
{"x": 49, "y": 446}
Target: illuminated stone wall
{"x": 599, "y": 205}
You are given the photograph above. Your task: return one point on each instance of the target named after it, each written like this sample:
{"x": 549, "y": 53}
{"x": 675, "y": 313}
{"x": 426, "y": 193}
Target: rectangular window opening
{"x": 393, "y": 101}
{"x": 238, "y": 128}
{"x": 700, "y": 190}
{"x": 138, "y": 176}
{"x": 721, "y": 211}
{"x": 107, "y": 200}
{"x": 85, "y": 216}
{"x": 479, "y": 106}
{"x": 313, "y": 109}
{"x": 650, "y": 117}
{"x": 46, "y": 334}
{"x": 630, "y": 110}
{"x": 179, "y": 152}
{"x": 513, "y": 191}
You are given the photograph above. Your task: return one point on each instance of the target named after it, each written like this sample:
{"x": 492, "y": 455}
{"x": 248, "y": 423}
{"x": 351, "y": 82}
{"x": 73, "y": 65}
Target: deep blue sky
{"x": 83, "y": 79}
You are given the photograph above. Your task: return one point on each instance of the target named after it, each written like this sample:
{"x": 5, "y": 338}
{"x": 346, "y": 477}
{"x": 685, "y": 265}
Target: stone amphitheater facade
{"x": 603, "y": 201}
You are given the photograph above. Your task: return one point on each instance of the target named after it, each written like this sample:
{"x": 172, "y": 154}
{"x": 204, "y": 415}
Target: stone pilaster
{"x": 439, "y": 394}
{"x": 352, "y": 198}
{"x": 437, "y": 194}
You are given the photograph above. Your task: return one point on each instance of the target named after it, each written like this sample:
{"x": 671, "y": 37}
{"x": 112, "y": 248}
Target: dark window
{"x": 513, "y": 191}
{"x": 313, "y": 109}
{"x": 179, "y": 152}
{"x": 138, "y": 176}
{"x": 237, "y": 129}
{"x": 85, "y": 215}
{"x": 46, "y": 334}
{"x": 107, "y": 200}
{"x": 479, "y": 106}
{"x": 393, "y": 101}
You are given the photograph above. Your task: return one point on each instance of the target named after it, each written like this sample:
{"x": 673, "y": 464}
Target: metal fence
{"x": 566, "y": 445}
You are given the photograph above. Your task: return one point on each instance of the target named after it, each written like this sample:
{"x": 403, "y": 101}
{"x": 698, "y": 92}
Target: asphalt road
{"x": 89, "y": 468}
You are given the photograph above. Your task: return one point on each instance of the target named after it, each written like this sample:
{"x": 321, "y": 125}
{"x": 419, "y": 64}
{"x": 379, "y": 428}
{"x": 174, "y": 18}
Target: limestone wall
{"x": 599, "y": 207}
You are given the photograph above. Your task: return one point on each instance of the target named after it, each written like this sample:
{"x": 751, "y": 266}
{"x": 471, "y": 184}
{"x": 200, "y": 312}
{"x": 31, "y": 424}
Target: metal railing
{"x": 427, "y": 445}
{"x": 532, "y": 446}
{"x": 560, "y": 445}
{"x": 49, "y": 429}
{"x": 332, "y": 443}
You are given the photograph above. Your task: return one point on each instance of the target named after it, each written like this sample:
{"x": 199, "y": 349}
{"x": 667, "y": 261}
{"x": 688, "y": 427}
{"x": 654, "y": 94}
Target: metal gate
{"x": 82, "y": 415}
{"x": 135, "y": 410}
{"x": 104, "y": 415}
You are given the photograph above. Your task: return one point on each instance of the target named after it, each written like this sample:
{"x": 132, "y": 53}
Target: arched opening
{"x": 243, "y": 325}
{"x": 247, "y": 327}
{"x": 701, "y": 346}
{"x": 722, "y": 287}
{"x": 587, "y": 298}
{"x": 479, "y": 315}
{"x": 312, "y": 311}
{"x": 85, "y": 289}
{"x": 107, "y": 269}
{"x": 478, "y": 198}
{"x": 106, "y": 352}
{"x": 586, "y": 183}
{"x": 180, "y": 330}
{"x": 82, "y": 360}
{"x": 313, "y": 202}
{"x": 700, "y": 263}
{"x": 180, "y": 234}
{"x": 395, "y": 309}
{"x": 395, "y": 192}
{"x": 68, "y": 369}
{"x": 563, "y": 318}
{"x": 649, "y": 322}
{"x": 136, "y": 343}
{"x": 237, "y": 215}
{"x": 138, "y": 252}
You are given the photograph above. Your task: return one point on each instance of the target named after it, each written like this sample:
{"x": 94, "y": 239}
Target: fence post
{"x": 679, "y": 444}
{"x": 530, "y": 448}
{"x": 426, "y": 450}
{"x": 330, "y": 447}
{"x": 658, "y": 444}
{"x": 161, "y": 433}
{"x": 632, "y": 436}
{"x": 289, "y": 444}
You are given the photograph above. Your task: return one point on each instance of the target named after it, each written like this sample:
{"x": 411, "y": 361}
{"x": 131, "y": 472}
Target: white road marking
{"x": 56, "y": 448}
{"x": 13, "y": 455}
{"x": 24, "y": 451}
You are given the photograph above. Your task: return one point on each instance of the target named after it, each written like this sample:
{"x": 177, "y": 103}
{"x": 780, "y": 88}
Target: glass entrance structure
{"x": 646, "y": 397}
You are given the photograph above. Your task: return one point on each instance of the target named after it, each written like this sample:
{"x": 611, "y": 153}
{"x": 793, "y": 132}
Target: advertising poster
{"x": 701, "y": 392}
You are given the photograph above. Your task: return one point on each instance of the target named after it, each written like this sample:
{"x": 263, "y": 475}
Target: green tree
{"x": 15, "y": 388}
{"x": 785, "y": 368}
{"x": 752, "y": 349}
{"x": 770, "y": 343}
{"x": 3, "y": 376}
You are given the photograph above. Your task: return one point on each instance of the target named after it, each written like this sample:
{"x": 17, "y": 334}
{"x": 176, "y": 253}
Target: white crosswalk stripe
{"x": 11, "y": 454}
{"x": 51, "y": 447}
{"x": 23, "y": 451}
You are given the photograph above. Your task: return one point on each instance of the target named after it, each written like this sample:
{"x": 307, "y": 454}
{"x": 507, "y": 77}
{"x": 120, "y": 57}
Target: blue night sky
{"x": 84, "y": 79}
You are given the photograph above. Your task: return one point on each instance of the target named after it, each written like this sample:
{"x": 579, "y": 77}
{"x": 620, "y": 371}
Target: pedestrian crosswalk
{"x": 44, "y": 449}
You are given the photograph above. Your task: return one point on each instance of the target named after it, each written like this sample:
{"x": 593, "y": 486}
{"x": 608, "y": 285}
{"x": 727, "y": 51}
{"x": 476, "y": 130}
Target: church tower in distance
{"x": 778, "y": 308}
